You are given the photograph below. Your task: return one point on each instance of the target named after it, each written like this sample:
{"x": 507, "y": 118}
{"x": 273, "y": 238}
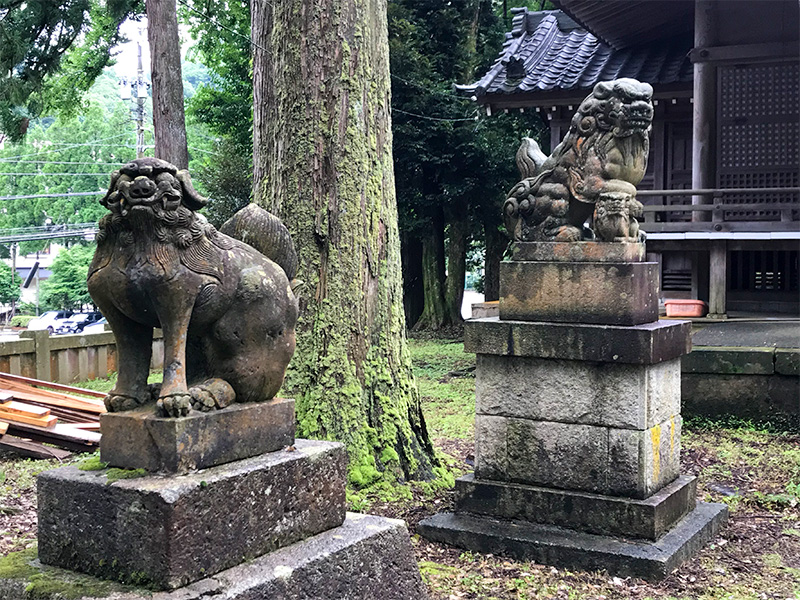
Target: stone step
{"x": 567, "y": 548}
{"x": 594, "y": 513}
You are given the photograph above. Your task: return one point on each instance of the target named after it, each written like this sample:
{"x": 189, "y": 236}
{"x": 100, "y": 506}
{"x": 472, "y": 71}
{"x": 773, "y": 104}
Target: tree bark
{"x": 457, "y": 234}
{"x": 169, "y": 123}
{"x": 434, "y": 315}
{"x": 496, "y": 243}
{"x": 413, "y": 290}
{"x": 324, "y": 147}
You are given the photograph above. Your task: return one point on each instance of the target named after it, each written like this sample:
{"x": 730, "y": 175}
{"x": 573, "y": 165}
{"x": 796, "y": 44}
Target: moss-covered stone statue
{"x": 592, "y": 174}
{"x": 226, "y": 307}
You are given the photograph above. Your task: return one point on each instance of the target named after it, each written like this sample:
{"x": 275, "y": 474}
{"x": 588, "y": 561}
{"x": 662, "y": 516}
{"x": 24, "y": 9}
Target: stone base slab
{"x": 594, "y": 513}
{"x": 645, "y": 344}
{"x": 138, "y": 439}
{"x": 168, "y": 531}
{"x": 624, "y": 396}
{"x": 601, "y": 460}
{"x": 364, "y": 559}
{"x": 550, "y": 545}
{"x": 578, "y": 251}
{"x": 619, "y": 293}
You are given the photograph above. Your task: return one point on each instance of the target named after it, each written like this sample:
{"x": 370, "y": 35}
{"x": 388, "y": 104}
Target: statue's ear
{"x": 191, "y": 198}
{"x": 111, "y": 188}
{"x": 603, "y": 89}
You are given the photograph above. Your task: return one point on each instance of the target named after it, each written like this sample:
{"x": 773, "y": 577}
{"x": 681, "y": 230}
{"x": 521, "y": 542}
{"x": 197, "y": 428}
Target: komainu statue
{"x": 226, "y": 307}
{"x": 592, "y": 174}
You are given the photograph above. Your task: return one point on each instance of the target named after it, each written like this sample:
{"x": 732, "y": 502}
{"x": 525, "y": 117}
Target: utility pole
{"x": 141, "y": 96}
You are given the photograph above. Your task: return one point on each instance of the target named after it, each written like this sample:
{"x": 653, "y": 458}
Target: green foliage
{"x": 226, "y": 179}
{"x": 51, "y": 54}
{"x": 66, "y": 288}
{"x": 21, "y": 320}
{"x": 10, "y": 284}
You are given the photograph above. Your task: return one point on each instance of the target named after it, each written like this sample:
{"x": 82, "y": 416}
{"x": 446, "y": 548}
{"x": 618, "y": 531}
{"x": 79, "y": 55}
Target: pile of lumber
{"x": 37, "y": 415}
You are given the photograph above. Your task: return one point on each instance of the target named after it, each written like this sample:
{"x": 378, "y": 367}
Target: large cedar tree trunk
{"x": 496, "y": 243}
{"x": 169, "y": 123}
{"x": 457, "y": 235}
{"x": 434, "y": 313}
{"x": 323, "y": 155}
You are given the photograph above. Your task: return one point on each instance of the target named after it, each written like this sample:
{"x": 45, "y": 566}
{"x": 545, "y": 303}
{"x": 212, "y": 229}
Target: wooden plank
{"x": 84, "y": 404}
{"x": 6, "y": 396}
{"x": 32, "y": 449}
{"x": 87, "y": 426}
{"x": 3, "y": 428}
{"x": 55, "y": 386}
{"x": 708, "y": 226}
{"x": 49, "y": 422}
{"x": 12, "y": 406}
{"x": 60, "y": 435}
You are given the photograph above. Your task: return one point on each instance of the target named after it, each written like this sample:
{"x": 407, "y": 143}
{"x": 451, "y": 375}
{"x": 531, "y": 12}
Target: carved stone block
{"x": 579, "y": 292}
{"x": 166, "y": 532}
{"x": 649, "y": 518}
{"x": 138, "y": 439}
{"x": 645, "y": 344}
{"x": 570, "y": 391}
{"x": 614, "y": 252}
{"x": 602, "y": 460}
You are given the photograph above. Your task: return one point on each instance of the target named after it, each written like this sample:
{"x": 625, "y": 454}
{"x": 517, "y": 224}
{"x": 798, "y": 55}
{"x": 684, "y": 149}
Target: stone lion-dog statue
{"x": 592, "y": 174}
{"x": 223, "y": 299}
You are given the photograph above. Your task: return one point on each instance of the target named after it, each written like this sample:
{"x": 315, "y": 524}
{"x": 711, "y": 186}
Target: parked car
{"x": 51, "y": 320}
{"x": 77, "y": 322}
{"x": 96, "y": 327}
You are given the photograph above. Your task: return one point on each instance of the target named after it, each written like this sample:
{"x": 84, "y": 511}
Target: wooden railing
{"x": 715, "y": 210}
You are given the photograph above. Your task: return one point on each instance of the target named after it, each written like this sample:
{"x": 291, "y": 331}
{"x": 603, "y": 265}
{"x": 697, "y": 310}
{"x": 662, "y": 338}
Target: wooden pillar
{"x": 717, "y": 279}
{"x": 705, "y": 104}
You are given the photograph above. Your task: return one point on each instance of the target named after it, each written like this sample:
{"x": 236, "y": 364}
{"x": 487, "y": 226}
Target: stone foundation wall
{"x": 745, "y": 382}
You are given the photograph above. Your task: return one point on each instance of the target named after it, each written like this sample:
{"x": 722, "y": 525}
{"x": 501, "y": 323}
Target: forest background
{"x": 453, "y": 163}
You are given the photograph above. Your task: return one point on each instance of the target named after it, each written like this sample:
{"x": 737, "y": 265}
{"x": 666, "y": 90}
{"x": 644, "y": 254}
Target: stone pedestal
{"x": 274, "y": 518}
{"x": 577, "y": 424}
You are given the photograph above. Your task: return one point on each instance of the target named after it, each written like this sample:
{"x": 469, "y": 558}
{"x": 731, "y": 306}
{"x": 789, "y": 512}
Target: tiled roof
{"x": 548, "y": 51}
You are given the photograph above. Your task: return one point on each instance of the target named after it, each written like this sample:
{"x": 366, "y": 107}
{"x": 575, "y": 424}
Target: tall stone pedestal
{"x": 577, "y": 419}
{"x": 251, "y": 524}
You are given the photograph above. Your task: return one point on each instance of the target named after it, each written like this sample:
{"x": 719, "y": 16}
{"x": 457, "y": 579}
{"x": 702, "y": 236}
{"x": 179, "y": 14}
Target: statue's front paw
{"x": 118, "y": 402}
{"x": 212, "y": 394}
{"x": 175, "y": 405}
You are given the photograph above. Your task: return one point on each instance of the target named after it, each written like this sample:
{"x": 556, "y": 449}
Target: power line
{"x": 35, "y": 174}
{"x": 93, "y": 143}
{"x": 75, "y": 162}
{"x": 410, "y": 114}
{"x": 62, "y": 195}
{"x": 221, "y": 26}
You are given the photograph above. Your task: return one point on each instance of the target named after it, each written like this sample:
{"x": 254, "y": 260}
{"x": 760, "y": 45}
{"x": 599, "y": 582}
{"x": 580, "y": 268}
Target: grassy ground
{"x": 754, "y": 469}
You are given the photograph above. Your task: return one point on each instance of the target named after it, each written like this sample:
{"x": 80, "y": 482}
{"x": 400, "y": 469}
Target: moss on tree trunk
{"x": 323, "y": 156}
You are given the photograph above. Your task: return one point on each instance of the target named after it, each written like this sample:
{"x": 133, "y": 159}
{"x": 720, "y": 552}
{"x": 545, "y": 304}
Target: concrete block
{"x": 570, "y": 549}
{"x": 166, "y": 532}
{"x": 578, "y": 251}
{"x": 138, "y": 439}
{"x": 608, "y": 394}
{"x": 787, "y": 361}
{"x": 730, "y": 361}
{"x": 366, "y": 558}
{"x": 579, "y": 292}
{"x": 645, "y": 344}
{"x": 649, "y": 518}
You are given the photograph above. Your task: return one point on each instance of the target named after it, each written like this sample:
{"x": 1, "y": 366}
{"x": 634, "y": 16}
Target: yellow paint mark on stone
{"x": 655, "y": 439}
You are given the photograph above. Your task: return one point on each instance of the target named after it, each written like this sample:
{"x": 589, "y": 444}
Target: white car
{"x": 51, "y": 320}
{"x": 96, "y": 327}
